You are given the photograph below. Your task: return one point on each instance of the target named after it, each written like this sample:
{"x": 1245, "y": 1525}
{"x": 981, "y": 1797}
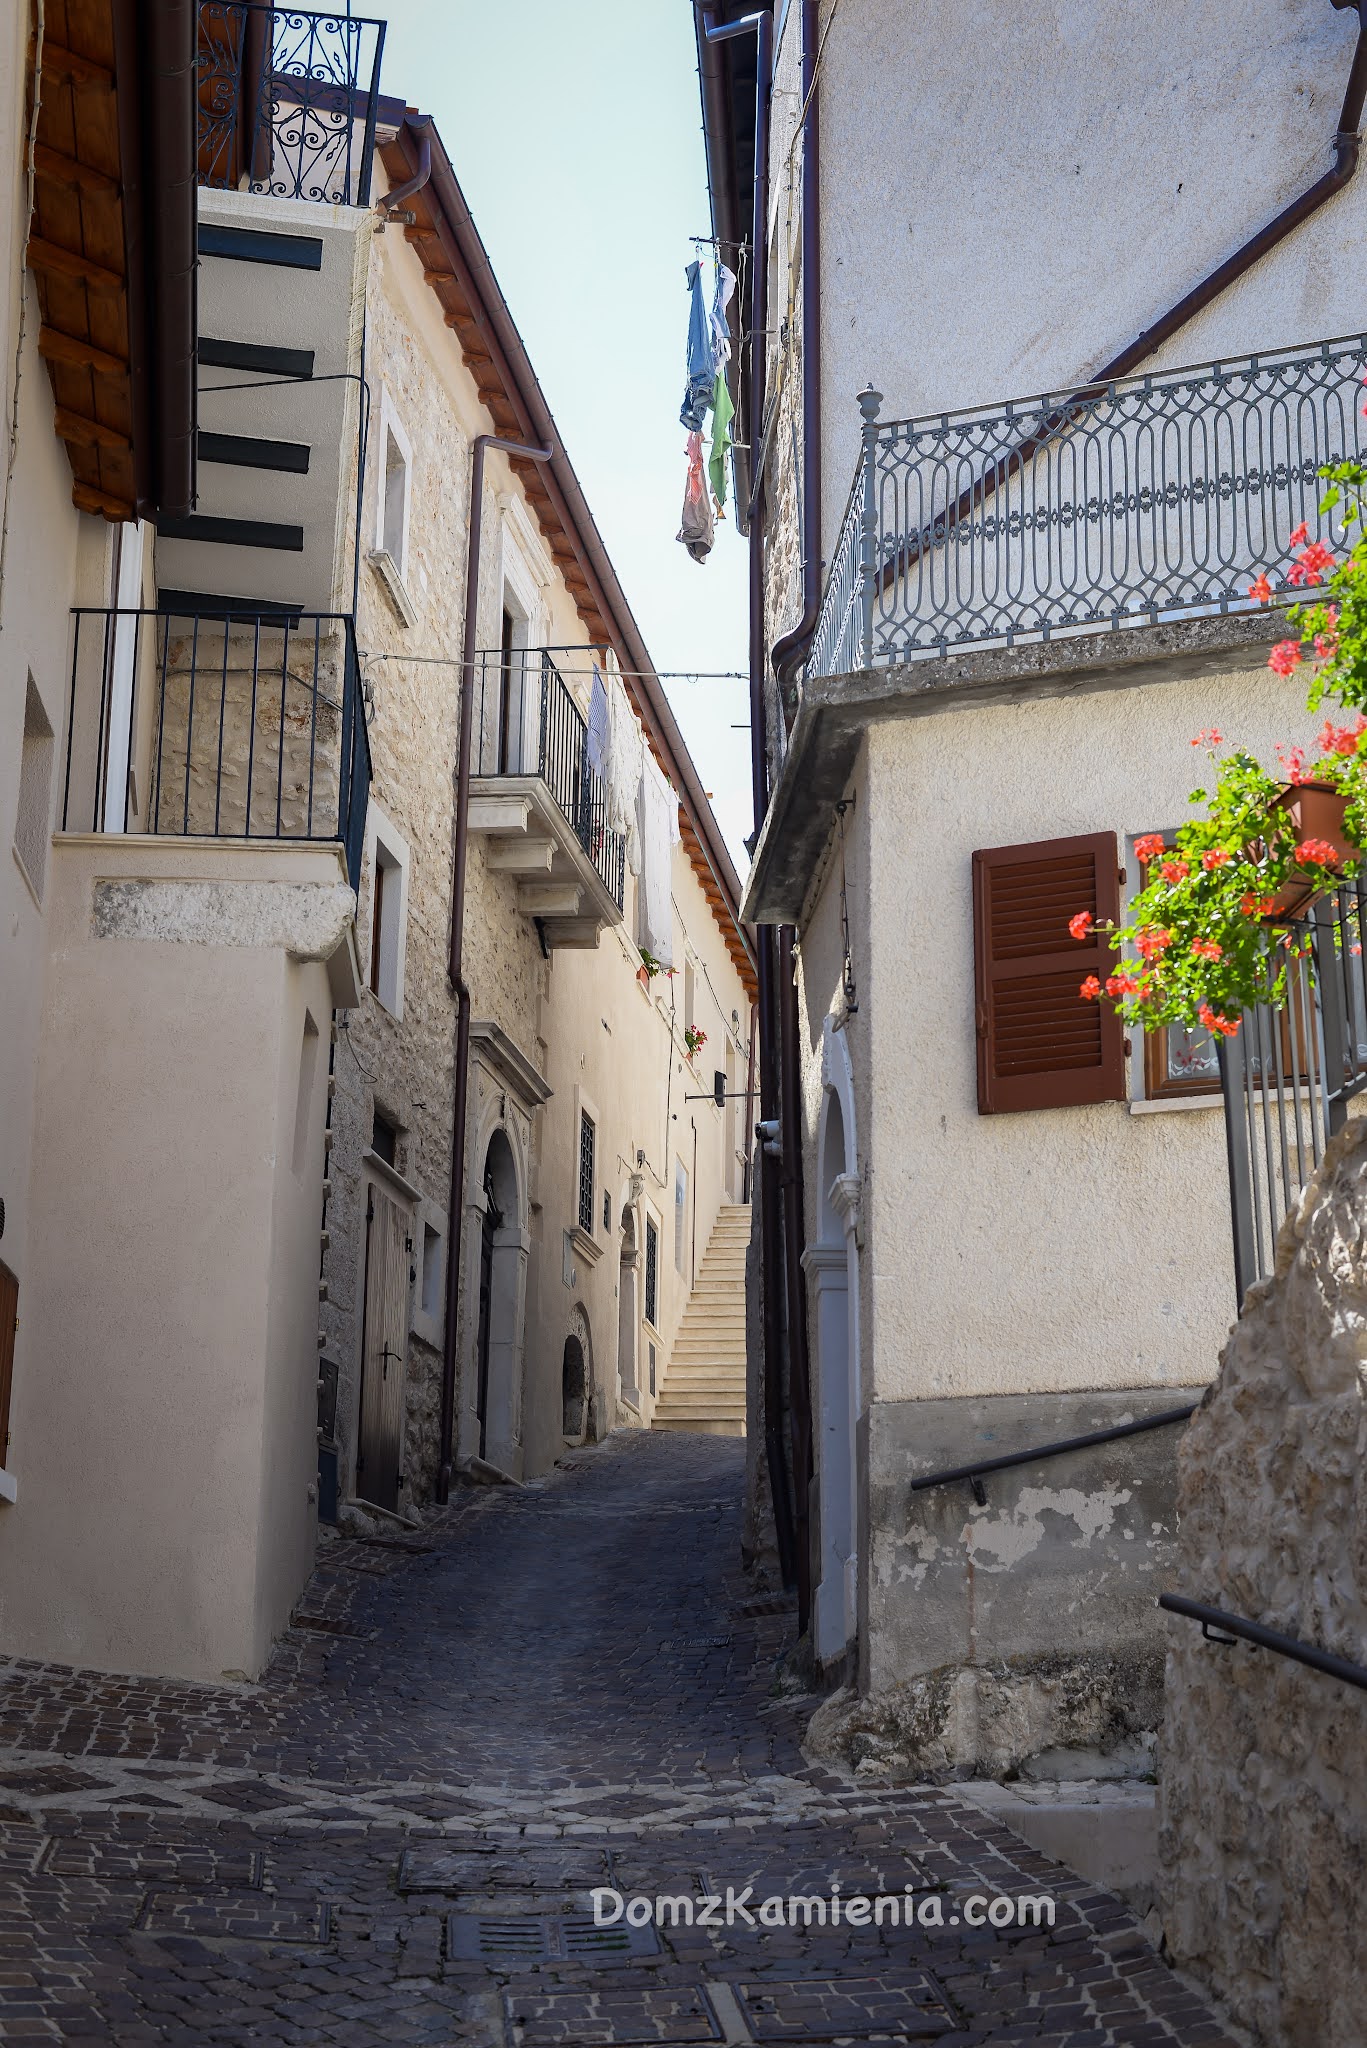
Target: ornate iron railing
{"x": 243, "y": 725}
{"x": 287, "y": 101}
{"x": 1290, "y": 1073}
{"x": 1113, "y": 505}
{"x": 528, "y": 723}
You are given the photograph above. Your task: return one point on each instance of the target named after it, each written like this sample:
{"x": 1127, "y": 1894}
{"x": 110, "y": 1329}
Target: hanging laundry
{"x": 702, "y": 365}
{"x": 697, "y": 529}
{"x": 625, "y": 760}
{"x": 721, "y": 299}
{"x": 598, "y": 734}
{"x": 723, "y": 412}
{"x": 658, "y": 809}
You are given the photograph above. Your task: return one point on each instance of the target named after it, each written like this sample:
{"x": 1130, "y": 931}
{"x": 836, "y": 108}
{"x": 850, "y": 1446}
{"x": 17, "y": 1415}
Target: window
{"x": 303, "y": 1101}
{"x": 652, "y": 1278}
{"x": 690, "y": 994}
{"x": 431, "y": 1271}
{"x": 680, "y": 1215}
{"x": 391, "y": 535}
{"x": 1040, "y": 1046}
{"x": 388, "y": 916}
{"x": 1180, "y": 1061}
{"x": 384, "y": 1139}
{"x": 586, "y": 1143}
{"x": 33, "y": 824}
{"x": 607, "y": 1213}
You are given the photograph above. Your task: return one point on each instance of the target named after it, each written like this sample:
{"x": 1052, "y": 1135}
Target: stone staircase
{"x": 704, "y": 1383}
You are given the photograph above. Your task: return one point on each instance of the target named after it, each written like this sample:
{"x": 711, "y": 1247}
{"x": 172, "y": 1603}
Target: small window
{"x": 384, "y": 1139}
{"x": 680, "y": 1216}
{"x": 690, "y": 994}
{"x": 9, "y": 1322}
{"x": 394, "y": 515}
{"x": 431, "y": 1271}
{"x": 1182, "y": 1060}
{"x": 607, "y": 1213}
{"x": 388, "y": 922}
{"x": 33, "y": 822}
{"x": 652, "y": 1281}
{"x": 587, "y": 1137}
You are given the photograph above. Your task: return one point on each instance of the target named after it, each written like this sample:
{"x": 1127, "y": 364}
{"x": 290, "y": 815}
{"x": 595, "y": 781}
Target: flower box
{"x": 1316, "y": 811}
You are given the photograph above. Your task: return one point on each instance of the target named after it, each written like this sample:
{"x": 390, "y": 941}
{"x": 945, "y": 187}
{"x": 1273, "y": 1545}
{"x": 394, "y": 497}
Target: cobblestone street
{"x": 391, "y": 1839}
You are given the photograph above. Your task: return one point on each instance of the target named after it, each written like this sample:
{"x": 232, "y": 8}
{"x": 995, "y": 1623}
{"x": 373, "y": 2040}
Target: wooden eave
{"x": 446, "y": 275}
{"x": 77, "y": 254}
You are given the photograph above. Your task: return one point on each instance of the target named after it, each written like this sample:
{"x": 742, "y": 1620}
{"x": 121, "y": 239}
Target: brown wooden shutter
{"x": 9, "y": 1318}
{"x": 1040, "y": 1046}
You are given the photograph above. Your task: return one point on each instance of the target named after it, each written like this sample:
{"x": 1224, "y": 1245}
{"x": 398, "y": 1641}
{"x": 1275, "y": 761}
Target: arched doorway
{"x": 832, "y": 1264}
{"x": 574, "y": 1391}
{"x": 498, "y": 1346}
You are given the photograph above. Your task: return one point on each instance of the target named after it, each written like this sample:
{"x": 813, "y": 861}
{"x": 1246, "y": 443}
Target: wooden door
{"x": 379, "y": 1447}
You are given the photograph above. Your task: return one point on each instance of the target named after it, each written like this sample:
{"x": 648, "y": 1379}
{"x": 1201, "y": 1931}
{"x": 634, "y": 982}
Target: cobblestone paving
{"x": 391, "y": 1839}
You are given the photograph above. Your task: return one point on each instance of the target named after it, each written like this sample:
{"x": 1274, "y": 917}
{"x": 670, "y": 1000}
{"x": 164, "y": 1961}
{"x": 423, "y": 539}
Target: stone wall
{"x": 1264, "y": 1762}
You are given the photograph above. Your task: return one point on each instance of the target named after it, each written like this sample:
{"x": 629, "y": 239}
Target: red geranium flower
{"x": 1081, "y": 925}
{"x": 1205, "y": 949}
{"x": 1174, "y": 871}
{"x": 1310, "y": 565}
{"x": 1316, "y": 853}
{"x": 1227, "y": 1027}
{"x": 1285, "y": 657}
{"x": 1298, "y": 536}
{"x": 1214, "y": 857}
{"x": 1152, "y": 941}
{"x": 1260, "y": 590}
{"x": 1091, "y": 989}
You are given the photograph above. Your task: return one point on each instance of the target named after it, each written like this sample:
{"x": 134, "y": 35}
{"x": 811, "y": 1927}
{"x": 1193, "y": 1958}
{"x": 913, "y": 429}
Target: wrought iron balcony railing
{"x": 237, "y": 726}
{"x": 1113, "y": 505}
{"x": 287, "y": 101}
{"x": 528, "y": 723}
{"x": 1290, "y": 1073}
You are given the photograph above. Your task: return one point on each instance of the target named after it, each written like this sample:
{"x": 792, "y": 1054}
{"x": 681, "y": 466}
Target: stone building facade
{"x": 558, "y": 1340}
{"x": 990, "y": 1267}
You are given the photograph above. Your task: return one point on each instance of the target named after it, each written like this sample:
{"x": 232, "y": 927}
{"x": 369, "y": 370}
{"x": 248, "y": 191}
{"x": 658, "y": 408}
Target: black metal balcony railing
{"x": 239, "y": 726}
{"x": 1290, "y": 1074}
{"x": 1114, "y": 505}
{"x": 528, "y": 723}
{"x": 287, "y": 101}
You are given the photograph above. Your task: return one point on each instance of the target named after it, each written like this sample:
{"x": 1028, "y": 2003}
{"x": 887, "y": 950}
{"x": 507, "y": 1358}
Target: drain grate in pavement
{"x": 325, "y": 1625}
{"x": 913, "y": 2008}
{"x": 250, "y": 1916}
{"x": 544, "y": 1937}
{"x": 625, "y": 2019}
{"x": 439, "y": 1869}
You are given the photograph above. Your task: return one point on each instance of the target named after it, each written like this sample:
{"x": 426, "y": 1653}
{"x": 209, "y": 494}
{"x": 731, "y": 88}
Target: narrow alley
{"x": 393, "y": 1837}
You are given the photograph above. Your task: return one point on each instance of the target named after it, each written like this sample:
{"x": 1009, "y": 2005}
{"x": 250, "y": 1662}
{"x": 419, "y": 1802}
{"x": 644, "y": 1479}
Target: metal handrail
{"x": 1264, "y": 1638}
{"x": 1112, "y": 505}
{"x": 220, "y": 725}
{"x": 974, "y": 1472}
{"x": 281, "y": 95}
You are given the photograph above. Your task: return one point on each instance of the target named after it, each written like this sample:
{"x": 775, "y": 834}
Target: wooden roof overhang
{"x": 111, "y": 246}
{"x": 456, "y": 268}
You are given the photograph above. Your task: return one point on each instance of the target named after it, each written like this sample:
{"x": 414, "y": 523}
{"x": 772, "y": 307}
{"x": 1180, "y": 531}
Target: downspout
{"x": 791, "y": 1542}
{"x": 455, "y": 965}
{"x": 791, "y": 650}
{"x": 389, "y": 207}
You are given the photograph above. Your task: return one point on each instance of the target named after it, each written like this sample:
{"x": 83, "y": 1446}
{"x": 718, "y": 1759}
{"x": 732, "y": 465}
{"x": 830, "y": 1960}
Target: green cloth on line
{"x": 723, "y": 412}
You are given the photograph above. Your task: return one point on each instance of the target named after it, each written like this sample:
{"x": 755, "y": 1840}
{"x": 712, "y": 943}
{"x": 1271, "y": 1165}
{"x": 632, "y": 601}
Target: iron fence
{"x": 1291, "y": 1072}
{"x": 242, "y": 725}
{"x": 1118, "y": 504}
{"x": 287, "y": 101}
{"x": 527, "y": 722}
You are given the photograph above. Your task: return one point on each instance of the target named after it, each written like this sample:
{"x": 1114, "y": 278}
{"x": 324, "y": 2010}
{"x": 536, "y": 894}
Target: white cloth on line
{"x": 626, "y": 752}
{"x": 599, "y": 734}
{"x": 659, "y": 816}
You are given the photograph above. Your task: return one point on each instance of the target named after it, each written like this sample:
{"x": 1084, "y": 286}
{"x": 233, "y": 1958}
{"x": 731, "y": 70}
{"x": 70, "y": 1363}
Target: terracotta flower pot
{"x": 643, "y": 976}
{"x": 1316, "y": 811}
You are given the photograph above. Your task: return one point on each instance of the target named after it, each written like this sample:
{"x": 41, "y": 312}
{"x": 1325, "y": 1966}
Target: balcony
{"x": 287, "y": 101}
{"x": 1123, "y": 504}
{"x": 536, "y": 800}
{"x": 240, "y": 726}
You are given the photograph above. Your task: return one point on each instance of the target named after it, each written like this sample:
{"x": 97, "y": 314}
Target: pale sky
{"x": 576, "y": 134}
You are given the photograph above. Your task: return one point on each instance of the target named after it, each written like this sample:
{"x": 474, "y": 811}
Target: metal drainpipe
{"x": 455, "y": 965}
{"x": 791, "y": 650}
{"x": 790, "y": 1543}
{"x": 389, "y": 205}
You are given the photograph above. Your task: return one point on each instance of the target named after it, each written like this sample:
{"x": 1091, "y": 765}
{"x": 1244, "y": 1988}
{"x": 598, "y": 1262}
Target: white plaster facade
{"x": 1057, "y": 1252}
